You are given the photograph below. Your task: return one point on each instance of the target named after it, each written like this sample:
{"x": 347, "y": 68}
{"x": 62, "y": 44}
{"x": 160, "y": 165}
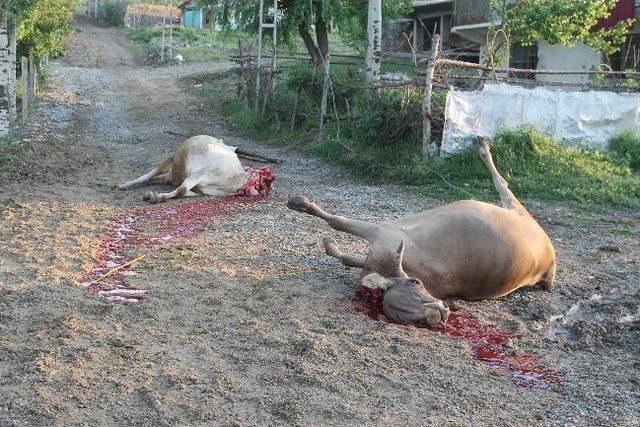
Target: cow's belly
{"x": 213, "y": 166}
{"x": 481, "y": 251}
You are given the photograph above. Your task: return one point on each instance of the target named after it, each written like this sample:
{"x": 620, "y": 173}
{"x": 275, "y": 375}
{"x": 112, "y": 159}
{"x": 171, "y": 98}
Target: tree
{"x": 43, "y": 25}
{"x": 374, "y": 42}
{"x": 562, "y": 22}
{"x": 309, "y": 18}
{"x": 9, "y": 12}
{"x": 46, "y": 28}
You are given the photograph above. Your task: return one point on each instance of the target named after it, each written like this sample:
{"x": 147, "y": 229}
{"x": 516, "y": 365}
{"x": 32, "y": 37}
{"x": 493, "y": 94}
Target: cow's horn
{"x": 398, "y": 261}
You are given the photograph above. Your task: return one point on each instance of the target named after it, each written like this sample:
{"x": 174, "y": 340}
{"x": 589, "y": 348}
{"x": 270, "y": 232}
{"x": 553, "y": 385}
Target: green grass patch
{"x": 193, "y": 44}
{"x": 11, "y": 138}
{"x": 627, "y": 144}
{"x": 383, "y": 144}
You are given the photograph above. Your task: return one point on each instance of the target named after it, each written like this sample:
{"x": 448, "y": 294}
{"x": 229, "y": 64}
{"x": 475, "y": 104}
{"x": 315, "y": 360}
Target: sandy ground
{"x": 248, "y": 322}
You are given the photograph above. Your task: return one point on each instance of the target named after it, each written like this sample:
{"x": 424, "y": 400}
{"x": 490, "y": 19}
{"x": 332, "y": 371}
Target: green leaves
{"x": 563, "y": 22}
{"x": 45, "y": 27}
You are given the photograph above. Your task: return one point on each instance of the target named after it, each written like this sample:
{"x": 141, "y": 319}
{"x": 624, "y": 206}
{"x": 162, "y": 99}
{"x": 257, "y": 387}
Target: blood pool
{"x": 489, "y": 343}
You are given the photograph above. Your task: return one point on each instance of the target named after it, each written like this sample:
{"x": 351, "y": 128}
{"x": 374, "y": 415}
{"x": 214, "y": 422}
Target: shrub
{"x": 189, "y": 34}
{"x": 114, "y": 11}
{"x": 627, "y": 144}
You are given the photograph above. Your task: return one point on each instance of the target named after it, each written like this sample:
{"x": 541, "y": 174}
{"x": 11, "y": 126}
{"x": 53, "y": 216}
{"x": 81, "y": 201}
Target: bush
{"x": 114, "y": 11}
{"x": 189, "y": 34}
{"x": 627, "y": 144}
{"x": 45, "y": 28}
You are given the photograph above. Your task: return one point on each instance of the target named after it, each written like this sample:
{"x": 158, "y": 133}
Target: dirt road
{"x": 246, "y": 321}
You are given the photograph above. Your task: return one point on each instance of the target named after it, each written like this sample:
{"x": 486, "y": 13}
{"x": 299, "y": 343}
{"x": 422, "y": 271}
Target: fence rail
{"x": 425, "y": 76}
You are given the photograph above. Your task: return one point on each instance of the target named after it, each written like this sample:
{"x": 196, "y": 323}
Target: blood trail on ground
{"x": 148, "y": 227}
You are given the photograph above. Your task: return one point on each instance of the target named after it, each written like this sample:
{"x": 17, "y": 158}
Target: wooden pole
{"x": 273, "y": 58}
{"x": 259, "y": 58}
{"x": 171, "y": 30}
{"x": 32, "y": 78}
{"x": 164, "y": 26}
{"x": 24, "y": 63}
{"x": 427, "y": 148}
{"x": 295, "y": 111}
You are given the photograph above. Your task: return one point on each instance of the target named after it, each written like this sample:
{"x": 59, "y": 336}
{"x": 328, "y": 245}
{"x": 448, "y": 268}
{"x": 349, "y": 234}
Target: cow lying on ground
{"x": 467, "y": 249}
{"x": 204, "y": 165}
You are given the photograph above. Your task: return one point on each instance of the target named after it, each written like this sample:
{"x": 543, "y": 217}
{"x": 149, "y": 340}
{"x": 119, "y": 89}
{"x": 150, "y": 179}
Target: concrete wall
{"x": 566, "y": 58}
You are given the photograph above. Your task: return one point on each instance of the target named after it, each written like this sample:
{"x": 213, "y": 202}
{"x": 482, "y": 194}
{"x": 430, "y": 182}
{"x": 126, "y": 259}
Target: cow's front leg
{"x": 184, "y": 190}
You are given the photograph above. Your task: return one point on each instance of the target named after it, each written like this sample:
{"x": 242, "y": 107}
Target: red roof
{"x": 624, "y": 9}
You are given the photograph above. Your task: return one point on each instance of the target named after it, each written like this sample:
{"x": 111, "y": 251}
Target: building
{"x": 464, "y": 27}
{"x": 143, "y": 14}
{"x": 192, "y": 15}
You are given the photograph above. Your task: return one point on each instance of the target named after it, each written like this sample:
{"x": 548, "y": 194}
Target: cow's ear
{"x": 375, "y": 281}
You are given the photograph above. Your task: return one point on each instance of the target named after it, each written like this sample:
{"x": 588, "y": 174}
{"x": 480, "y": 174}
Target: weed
{"x": 627, "y": 144}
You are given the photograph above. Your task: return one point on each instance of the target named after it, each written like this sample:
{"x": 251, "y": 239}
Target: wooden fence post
{"x": 295, "y": 110}
{"x": 32, "y": 78}
{"x": 24, "y": 62}
{"x": 427, "y": 148}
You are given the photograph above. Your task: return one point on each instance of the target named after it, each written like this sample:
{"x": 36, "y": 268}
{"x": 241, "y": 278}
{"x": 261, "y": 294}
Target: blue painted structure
{"x": 192, "y": 18}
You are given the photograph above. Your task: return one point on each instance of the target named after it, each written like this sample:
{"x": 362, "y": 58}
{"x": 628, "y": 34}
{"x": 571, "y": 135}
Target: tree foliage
{"x": 46, "y": 27}
{"x": 347, "y": 17}
{"x": 562, "y": 22}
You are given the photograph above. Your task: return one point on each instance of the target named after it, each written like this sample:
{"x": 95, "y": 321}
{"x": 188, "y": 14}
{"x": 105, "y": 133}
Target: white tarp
{"x": 586, "y": 118}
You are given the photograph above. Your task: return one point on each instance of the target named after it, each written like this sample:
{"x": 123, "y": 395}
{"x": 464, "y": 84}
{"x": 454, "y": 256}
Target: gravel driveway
{"x": 247, "y": 322}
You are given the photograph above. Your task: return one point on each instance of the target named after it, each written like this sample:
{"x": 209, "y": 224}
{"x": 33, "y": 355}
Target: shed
{"x": 192, "y": 14}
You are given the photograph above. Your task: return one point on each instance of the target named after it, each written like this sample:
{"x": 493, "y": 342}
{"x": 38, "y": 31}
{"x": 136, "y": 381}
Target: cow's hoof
{"x": 150, "y": 197}
{"x": 330, "y": 247}
{"x": 299, "y": 203}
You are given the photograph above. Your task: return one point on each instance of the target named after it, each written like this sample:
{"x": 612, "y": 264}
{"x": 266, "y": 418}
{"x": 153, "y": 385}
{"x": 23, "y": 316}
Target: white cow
{"x": 201, "y": 165}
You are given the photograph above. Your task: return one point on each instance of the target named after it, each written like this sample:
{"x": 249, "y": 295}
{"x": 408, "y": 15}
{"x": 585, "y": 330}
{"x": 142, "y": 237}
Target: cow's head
{"x": 405, "y": 298}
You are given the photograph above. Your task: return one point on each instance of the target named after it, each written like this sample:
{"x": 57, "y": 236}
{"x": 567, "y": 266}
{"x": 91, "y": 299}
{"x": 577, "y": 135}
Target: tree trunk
{"x": 314, "y": 53}
{"x": 322, "y": 36}
{"x": 374, "y": 42}
{"x": 5, "y": 71}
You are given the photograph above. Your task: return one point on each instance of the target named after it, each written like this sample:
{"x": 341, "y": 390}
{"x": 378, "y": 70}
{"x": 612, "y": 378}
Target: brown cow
{"x": 466, "y": 249}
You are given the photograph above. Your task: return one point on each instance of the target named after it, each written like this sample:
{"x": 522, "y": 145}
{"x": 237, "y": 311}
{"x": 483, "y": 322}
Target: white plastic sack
{"x": 586, "y": 118}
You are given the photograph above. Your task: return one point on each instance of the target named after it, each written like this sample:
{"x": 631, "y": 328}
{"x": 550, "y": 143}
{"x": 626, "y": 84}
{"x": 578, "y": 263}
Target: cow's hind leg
{"x": 548, "y": 278}
{"x": 362, "y": 229}
{"x": 507, "y": 199}
{"x": 348, "y": 260}
{"x": 184, "y": 190}
{"x": 157, "y": 171}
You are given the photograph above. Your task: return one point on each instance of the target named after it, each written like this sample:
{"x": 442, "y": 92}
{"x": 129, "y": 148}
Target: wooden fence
{"x": 429, "y": 73}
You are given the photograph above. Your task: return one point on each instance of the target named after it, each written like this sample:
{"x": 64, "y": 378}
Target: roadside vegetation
{"x": 193, "y": 44}
{"x": 627, "y": 144}
{"x": 381, "y": 141}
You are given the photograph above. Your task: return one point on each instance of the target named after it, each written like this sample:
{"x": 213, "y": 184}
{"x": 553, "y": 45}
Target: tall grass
{"x": 627, "y": 144}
